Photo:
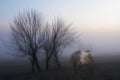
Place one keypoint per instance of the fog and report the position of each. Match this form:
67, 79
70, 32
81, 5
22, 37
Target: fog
96, 21
104, 42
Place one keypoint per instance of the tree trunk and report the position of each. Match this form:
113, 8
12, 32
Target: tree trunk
48, 57
32, 64
57, 61
33, 70
47, 64
37, 64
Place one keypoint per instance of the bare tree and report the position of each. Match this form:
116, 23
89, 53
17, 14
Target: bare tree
27, 35
63, 36
57, 36
47, 45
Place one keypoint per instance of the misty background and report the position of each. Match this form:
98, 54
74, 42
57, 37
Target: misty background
98, 23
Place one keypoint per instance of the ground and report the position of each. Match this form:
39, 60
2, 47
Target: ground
103, 71
106, 72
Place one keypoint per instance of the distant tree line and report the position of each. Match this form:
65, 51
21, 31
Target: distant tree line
32, 35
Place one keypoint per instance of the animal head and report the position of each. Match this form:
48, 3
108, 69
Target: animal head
87, 51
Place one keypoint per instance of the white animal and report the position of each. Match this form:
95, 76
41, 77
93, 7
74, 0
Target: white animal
80, 59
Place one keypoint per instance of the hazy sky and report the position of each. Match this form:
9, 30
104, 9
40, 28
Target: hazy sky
98, 21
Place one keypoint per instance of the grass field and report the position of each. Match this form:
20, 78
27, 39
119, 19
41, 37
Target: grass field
104, 70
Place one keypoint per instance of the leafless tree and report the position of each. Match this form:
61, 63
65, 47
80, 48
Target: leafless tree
47, 45
58, 36
27, 35
63, 36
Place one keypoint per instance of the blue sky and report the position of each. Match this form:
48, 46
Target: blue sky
97, 20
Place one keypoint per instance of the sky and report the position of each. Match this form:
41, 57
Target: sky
98, 21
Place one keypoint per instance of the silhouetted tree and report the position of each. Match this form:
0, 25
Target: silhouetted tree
27, 36
47, 45
62, 36
57, 37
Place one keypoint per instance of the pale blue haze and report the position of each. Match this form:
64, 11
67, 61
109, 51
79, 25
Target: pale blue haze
98, 21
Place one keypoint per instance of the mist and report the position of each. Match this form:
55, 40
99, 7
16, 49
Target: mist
101, 43
96, 23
